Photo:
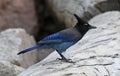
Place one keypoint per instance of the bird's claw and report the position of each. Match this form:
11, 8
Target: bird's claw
65, 60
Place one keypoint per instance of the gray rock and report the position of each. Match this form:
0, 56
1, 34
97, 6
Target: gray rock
64, 9
14, 40
8, 69
18, 14
97, 54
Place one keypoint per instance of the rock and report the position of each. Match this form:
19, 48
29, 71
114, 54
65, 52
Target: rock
96, 54
64, 9
43, 53
8, 69
14, 40
18, 13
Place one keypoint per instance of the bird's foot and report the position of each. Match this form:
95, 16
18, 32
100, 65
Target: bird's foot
66, 60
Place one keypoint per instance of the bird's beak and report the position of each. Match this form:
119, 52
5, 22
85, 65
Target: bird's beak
92, 27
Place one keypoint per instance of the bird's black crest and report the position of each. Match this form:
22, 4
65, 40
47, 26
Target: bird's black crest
79, 19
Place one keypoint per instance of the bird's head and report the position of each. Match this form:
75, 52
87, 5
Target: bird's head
83, 25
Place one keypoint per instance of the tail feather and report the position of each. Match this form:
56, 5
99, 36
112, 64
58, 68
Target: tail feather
29, 49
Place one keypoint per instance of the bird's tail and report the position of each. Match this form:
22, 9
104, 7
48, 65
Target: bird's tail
29, 49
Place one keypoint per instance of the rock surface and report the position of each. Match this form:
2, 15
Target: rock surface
64, 9
8, 69
14, 40
18, 13
97, 54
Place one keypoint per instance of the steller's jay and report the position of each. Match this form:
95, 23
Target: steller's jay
62, 40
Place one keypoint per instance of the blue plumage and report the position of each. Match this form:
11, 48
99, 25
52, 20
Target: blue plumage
26, 50
64, 39
60, 37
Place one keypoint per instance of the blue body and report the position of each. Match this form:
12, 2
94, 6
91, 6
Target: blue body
58, 41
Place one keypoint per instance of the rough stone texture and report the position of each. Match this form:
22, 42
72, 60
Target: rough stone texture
18, 13
43, 53
97, 54
64, 9
14, 40
8, 69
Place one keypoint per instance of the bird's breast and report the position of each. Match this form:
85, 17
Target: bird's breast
63, 46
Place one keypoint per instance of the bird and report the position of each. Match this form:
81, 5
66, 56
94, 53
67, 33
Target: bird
63, 39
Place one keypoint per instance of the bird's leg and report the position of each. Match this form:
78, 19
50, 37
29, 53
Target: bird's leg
64, 59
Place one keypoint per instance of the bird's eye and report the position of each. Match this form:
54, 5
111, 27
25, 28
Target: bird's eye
86, 24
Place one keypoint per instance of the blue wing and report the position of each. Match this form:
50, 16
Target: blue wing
58, 38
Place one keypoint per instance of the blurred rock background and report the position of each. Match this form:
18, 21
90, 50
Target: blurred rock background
24, 22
